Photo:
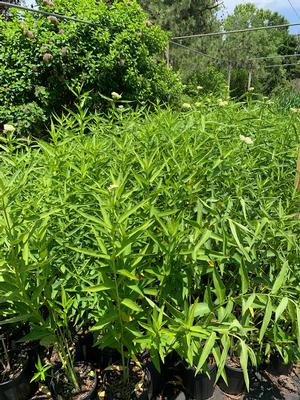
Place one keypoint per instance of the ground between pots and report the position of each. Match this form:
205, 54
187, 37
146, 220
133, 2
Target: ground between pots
264, 386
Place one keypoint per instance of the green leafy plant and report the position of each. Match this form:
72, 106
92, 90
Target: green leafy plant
42, 371
168, 231
43, 59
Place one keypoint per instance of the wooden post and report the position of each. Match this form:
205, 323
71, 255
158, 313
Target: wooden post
229, 78
297, 179
249, 79
168, 54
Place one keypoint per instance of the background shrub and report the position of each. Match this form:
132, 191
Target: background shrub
42, 58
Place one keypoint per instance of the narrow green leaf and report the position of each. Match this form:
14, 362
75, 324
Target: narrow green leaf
237, 240
280, 278
151, 292
98, 288
89, 252
219, 286
37, 334
136, 289
266, 320
132, 211
12, 320
206, 235
244, 276
244, 362
105, 320
132, 305
127, 274
91, 218
248, 303
209, 344
201, 309
225, 340
199, 329
281, 307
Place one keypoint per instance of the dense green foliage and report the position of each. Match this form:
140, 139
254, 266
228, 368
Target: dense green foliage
42, 59
182, 17
173, 230
242, 53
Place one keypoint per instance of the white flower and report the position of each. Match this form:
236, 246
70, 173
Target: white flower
186, 106
199, 87
9, 128
116, 96
112, 187
222, 103
246, 139
251, 88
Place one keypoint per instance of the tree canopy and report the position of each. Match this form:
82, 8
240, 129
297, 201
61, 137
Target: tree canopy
184, 16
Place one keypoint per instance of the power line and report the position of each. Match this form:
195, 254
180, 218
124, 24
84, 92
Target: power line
294, 9
3, 3
275, 56
280, 65
259, 28
195, 51
230, 61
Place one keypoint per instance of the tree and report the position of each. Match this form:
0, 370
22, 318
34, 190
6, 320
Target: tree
44, 60
246, 52
182, 17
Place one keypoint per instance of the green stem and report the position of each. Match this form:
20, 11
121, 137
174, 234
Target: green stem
66, 357
114, 269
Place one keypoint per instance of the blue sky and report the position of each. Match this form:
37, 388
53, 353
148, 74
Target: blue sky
281, 6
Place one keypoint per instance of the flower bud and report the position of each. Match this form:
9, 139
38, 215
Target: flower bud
30, 34
64, 51
48, 3
53, 20
47, 57
116, 96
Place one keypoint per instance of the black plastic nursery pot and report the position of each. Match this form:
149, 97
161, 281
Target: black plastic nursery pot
200, 386
155, 378
278, 367
119, 391
19, 388
235, 378
55, 388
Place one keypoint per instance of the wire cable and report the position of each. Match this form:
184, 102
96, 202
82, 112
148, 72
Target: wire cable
294, 9
10, 5
259, 28
279, 65
196, 51
275, 56
230, 61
